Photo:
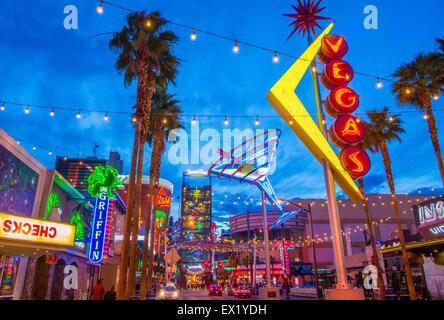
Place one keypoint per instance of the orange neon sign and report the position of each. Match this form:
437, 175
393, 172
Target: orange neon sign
356, 161
342, 100
337, 73
333, 47
346, 131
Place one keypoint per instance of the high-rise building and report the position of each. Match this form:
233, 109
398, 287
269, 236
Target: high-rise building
77, 170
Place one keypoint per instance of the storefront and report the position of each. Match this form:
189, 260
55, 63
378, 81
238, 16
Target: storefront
425, 250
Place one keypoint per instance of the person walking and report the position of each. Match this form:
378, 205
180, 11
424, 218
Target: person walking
98, 291
110, 294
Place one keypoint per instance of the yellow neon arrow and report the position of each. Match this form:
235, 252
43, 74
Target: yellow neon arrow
283, 98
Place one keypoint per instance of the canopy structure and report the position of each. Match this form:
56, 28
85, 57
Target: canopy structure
252, 162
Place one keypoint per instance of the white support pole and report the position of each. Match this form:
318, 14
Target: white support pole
266, 240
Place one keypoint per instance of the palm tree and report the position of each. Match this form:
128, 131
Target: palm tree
165, 113
145, 53
418, 83
381, 130
372, 241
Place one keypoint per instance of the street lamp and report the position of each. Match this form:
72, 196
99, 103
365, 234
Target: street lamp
308, 211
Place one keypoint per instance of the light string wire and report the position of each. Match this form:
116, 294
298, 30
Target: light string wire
220, 36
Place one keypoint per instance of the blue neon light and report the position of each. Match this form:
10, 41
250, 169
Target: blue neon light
97, 241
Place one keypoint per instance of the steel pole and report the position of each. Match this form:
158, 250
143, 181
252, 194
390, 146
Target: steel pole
314, 251
267, 243
333, 211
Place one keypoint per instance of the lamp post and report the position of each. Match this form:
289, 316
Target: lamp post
308, 211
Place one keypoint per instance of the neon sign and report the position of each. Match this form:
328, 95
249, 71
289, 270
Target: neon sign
429, 217
341, 100
101, 183
337, 73
355, 161
53, 201
332, 47
345, 131
160, 219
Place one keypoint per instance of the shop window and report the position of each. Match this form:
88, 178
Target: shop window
8, 273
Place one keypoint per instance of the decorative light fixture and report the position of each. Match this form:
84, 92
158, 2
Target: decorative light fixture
236, 47
390, 118
34, 147
106, 117
27, 109
78, 115
193, 35
100, 8
164, 120
435, 97
50, 153
52, 113
3, 107
425, 116
257, 120
226, 120
378, 83
275, 58
134, 119
194, 120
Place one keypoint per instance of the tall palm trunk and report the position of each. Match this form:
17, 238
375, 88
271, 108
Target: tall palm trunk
373, 242
123, 268
388, 171
146, 93
435, 141
148, 226
154, 231
131, 287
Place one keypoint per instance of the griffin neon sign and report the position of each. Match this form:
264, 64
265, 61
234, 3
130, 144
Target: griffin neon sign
101, 183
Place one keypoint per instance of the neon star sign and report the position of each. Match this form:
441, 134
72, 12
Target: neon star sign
283, 98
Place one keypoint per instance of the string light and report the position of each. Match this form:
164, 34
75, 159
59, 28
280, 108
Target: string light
425, 116
106, 117
390, 118
407, 91
193, 35
313, 69
50, 152
34, 147
3, 107
236, 47
52, 113
194, 120
164, 120
134, 119
78, 115
27, 109
257, 120
378, 83
100, 8
435, 97
275, 58
226, 120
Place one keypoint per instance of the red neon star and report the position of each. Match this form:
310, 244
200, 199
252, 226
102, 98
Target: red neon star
305, 17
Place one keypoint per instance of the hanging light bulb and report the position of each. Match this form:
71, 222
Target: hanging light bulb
275, 58
100, 8
226, 120
435, 97
106, 117
50, 153
193, 35
194, 120
78, 115
34, 147
52, 113
407, 91
425, 116
236, 47
390, 118
27, 109
134, 119
164, 120
257, 120
378, 83
3, 107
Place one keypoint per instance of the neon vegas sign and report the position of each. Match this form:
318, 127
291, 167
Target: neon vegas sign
429, 218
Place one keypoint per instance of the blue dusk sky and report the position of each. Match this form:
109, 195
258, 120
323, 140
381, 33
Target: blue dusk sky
42, 63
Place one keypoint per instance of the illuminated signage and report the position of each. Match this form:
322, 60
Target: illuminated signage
97, 242
160, 219
429, 217
337, 73
355, 161
332, 47
346, 131
27, 229
341, 100
162, 199
101, 183
283, 98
